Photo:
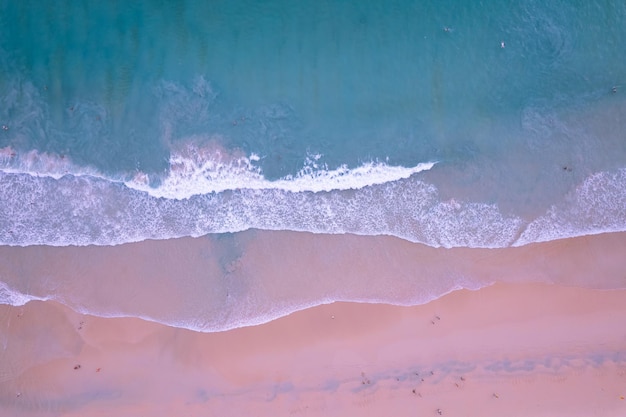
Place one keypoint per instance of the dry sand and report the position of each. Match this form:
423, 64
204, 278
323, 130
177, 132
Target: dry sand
512, 349
505, 350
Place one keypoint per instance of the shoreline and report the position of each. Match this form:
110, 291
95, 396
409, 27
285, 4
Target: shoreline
221, 282
483, 350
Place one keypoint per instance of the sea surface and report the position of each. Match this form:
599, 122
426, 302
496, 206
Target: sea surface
448, 123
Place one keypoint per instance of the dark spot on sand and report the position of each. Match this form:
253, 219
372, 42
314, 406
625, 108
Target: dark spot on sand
365, 380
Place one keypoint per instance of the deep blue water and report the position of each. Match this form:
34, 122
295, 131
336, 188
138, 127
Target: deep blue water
124, 121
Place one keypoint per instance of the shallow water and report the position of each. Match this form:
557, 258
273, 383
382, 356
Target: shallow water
219, 282
446, 124
153, 120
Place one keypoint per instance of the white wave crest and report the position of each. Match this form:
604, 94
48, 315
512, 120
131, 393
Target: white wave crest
15, 298
197, 171
213, 169
85, 210
597, 205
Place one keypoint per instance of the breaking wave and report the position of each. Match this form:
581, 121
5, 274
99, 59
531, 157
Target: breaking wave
48, 200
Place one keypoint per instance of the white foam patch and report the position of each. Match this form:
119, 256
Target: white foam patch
204, 170
596, 206
15, 298
42, 164
211, 190
212, 169
453, 224
85, 211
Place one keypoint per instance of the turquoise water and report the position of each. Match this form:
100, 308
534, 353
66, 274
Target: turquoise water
447, 123
153, 119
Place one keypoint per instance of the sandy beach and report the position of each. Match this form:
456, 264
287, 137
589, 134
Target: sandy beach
547, 339
312, 208
508, 349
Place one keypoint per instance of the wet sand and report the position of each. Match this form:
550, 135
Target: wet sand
508, 349
219, 282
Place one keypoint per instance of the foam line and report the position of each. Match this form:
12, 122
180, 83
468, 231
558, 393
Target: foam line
43, 208
191, 176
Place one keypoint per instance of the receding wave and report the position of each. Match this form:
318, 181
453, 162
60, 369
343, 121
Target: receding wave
598, 205
49, 201
14, 297
220, 282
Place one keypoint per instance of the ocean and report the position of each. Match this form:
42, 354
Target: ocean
448, 124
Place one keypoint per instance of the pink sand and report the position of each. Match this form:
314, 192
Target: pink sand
514, 350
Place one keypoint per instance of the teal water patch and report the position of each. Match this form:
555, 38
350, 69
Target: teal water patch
404, 80
519, 103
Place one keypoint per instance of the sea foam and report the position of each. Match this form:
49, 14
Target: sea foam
54, 202
598, 205
204, 170
10, 296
